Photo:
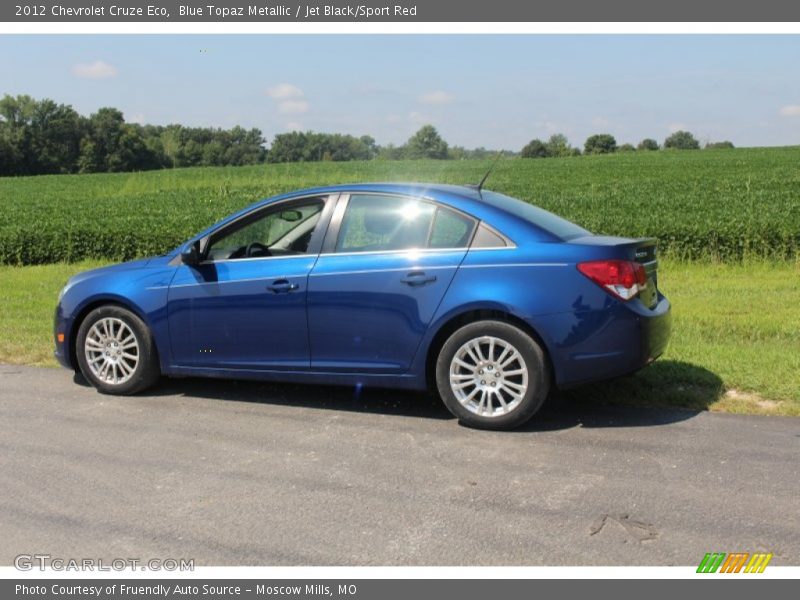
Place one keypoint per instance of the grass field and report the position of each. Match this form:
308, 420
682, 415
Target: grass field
735, 345
718, 204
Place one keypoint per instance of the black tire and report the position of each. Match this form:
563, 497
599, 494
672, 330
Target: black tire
514, 406
146, 371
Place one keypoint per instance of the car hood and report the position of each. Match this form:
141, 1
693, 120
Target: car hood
131, 265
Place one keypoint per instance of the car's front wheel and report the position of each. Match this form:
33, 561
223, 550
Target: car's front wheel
115, 351
492, 375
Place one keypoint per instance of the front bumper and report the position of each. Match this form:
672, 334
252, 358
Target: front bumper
62, 352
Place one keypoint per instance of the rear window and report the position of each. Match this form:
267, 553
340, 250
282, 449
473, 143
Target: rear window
561, 228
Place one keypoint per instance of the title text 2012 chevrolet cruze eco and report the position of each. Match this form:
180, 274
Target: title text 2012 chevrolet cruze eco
487, 299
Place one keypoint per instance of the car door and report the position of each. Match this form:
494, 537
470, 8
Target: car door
385, 266
244, 305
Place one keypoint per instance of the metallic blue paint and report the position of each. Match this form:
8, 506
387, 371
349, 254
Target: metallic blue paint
219, 312
352, 319
363, 316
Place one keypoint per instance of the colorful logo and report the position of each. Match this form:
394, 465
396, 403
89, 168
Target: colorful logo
734, 562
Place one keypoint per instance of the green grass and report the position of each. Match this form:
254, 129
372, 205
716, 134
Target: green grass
734, 347
28, 296
711, 204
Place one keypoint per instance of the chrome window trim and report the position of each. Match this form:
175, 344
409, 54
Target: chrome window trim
403, 251
251, 258
490, 248
340, 203
417, 251
493, 265
365, 253
382, 270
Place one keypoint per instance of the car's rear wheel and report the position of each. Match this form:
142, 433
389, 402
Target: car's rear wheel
115, 351
492, 375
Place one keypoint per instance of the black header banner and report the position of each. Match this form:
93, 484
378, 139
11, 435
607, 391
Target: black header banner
409, 11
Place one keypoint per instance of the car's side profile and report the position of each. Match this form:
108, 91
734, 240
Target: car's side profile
485, 298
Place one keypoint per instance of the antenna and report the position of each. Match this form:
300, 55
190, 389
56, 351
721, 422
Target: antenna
479, 187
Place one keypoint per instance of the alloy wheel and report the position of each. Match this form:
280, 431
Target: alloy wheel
112, 351
488, 376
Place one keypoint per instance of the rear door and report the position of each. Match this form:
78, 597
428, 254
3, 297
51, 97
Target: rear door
386, 263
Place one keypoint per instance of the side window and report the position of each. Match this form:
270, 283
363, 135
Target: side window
450, 229
486, 238
376, 223
284, 230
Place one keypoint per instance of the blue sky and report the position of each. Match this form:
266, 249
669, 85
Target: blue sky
497, 91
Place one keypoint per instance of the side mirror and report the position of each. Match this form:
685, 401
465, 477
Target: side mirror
191, 255
291, 215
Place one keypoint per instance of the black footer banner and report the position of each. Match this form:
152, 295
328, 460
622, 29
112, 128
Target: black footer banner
390, 589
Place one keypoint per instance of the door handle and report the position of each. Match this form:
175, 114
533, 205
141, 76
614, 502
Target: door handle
415, 278
282, 286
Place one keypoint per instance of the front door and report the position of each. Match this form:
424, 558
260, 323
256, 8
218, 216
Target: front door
244, 306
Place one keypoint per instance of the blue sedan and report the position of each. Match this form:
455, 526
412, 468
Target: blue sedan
487, 299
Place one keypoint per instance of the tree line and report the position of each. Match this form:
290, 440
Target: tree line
605, 143
43, 137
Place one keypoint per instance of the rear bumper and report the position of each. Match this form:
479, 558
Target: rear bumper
604, 344
655, 331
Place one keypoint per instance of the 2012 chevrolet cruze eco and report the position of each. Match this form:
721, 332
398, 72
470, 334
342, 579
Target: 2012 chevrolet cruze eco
488, 299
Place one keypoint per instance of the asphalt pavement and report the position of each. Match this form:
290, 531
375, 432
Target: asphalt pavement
233, 473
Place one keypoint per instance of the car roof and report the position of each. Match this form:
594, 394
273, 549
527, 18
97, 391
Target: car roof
433, 190
461, 197
468, 199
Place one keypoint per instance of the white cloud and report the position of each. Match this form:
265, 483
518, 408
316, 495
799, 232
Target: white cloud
289, 98
437, 98
136, 118
95, 70
293, 107
673, 127
600, 122
284, 91
790, 110
294, 126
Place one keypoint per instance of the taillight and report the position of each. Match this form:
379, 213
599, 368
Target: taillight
623, 278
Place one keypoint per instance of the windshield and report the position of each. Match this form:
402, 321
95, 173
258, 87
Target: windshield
560, 228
